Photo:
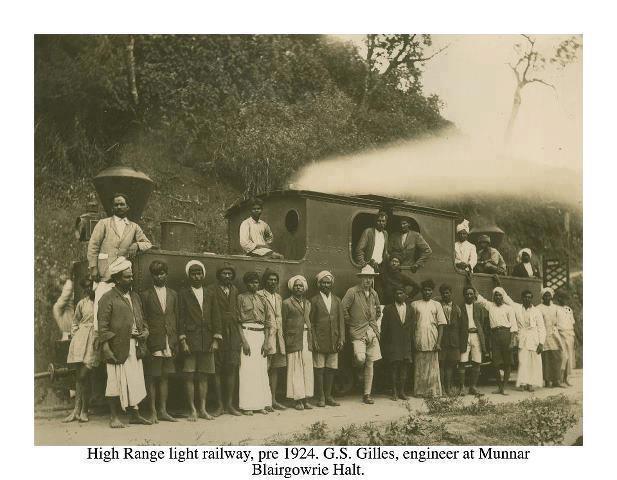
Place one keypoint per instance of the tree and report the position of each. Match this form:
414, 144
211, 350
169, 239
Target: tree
531, 64
396, 58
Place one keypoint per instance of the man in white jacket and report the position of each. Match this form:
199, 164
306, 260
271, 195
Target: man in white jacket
531, 337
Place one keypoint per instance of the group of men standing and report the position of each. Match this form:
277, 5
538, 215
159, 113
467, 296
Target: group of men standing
241, 343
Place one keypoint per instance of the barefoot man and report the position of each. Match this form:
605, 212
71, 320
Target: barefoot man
199, 332
122, 333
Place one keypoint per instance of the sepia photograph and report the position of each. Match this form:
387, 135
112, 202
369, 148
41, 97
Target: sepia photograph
308, 239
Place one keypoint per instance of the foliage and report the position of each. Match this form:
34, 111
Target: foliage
348, 435
316, 431
443, 405
481, 406
546, 421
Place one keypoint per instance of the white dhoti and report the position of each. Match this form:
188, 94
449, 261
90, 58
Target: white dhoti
529, 368
127, 380
568, 357
100, 289
254, 390
300, 381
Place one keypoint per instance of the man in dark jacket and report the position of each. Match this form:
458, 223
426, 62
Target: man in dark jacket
199, 332
476, 318
160, 304
454, 340
122, 335
328, 323
372, 248
409, 246
223, 300
397, 329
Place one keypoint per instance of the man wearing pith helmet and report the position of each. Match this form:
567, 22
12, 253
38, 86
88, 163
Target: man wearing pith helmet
361, 309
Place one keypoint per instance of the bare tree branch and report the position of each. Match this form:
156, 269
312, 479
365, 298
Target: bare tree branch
539, 80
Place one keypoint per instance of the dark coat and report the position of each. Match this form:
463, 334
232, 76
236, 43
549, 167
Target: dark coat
480, 319
396, 338
364, 248
456, 332
115, 318
520, 271
224, 309
198, 326
160, 324
328, 328
415, 251
391, 279
294, 320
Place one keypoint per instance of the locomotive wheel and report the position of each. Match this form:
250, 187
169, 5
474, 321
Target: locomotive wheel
344, 381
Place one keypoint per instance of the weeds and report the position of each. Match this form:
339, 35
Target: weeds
439, 406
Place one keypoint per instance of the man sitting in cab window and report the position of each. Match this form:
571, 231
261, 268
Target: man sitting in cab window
409, 246
489, 259
465, 255
372, 248
256, 235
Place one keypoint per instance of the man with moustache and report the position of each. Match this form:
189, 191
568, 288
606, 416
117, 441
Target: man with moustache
475, 315
465, 254
409, 246
122, 333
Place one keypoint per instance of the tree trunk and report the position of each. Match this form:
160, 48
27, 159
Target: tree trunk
516, 104
130, 66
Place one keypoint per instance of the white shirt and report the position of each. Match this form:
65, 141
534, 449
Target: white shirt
120, 223
161, 292
503, 315
469, 308
199, 294
528, 268
253, 233
402, 310
327, 300
127, 295
380, 242
465, 252
403, 238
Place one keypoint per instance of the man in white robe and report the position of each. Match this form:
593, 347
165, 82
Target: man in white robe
465, 255
531, 337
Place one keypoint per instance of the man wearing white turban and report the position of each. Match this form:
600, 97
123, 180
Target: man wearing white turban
504, 327
553, 347
328, 323
524, 268
122, 334
465, 255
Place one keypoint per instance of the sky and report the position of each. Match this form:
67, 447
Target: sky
473, 79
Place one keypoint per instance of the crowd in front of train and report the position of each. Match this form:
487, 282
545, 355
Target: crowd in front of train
242, 344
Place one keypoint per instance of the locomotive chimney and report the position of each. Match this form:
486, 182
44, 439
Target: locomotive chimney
120, 179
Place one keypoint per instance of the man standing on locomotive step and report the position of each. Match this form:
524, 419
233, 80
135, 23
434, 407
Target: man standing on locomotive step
256, 235
113, 237
409, 246
372, 248
361, 309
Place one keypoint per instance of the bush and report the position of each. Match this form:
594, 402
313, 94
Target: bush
443, 405
349, 435
545, 422
482, 406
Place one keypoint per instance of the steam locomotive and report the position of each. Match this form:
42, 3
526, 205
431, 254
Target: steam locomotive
314, 231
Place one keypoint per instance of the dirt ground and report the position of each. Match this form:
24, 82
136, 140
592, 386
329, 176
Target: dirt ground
260, 429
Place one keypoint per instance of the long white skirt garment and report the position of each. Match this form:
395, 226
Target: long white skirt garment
529, 368
254, 386
127, 380
568, 357
300, 381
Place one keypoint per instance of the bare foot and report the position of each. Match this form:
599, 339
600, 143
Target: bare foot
192, 416
137, 419
83, 416
269, 409
263, 411
205, 415
115, 422
217, 412
232, 411
154, 418
166, 417
71, 418
247, 412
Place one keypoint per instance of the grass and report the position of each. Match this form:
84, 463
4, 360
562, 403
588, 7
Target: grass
450, 422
